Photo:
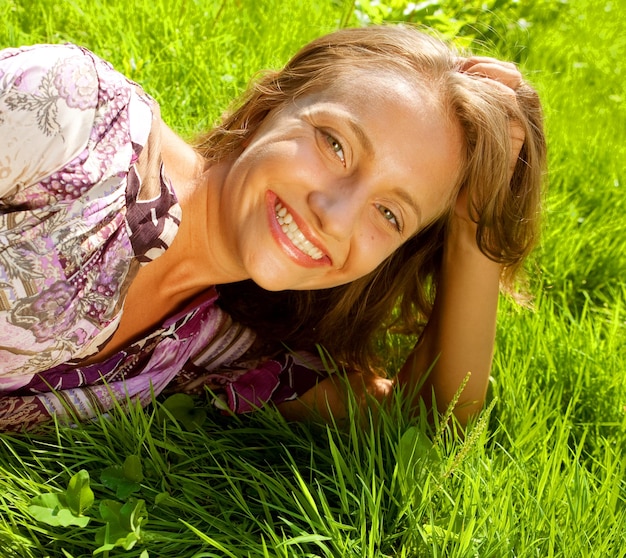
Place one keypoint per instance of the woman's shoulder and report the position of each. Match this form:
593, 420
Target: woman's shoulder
56, 101
38, 72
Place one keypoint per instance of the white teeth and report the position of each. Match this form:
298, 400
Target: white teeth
289, 227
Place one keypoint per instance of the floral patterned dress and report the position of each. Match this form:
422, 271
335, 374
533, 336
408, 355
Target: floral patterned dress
85, 202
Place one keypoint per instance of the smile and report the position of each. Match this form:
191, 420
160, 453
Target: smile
294, 234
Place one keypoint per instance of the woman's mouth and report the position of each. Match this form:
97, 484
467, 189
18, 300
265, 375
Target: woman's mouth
294, 234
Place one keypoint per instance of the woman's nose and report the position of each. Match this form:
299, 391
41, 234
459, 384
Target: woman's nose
338, 209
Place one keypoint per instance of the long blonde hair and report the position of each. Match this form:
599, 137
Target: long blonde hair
345, 319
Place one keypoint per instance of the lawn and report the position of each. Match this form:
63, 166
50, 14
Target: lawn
541, 474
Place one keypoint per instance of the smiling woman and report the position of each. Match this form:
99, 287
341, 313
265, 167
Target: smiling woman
353, 192
376, 170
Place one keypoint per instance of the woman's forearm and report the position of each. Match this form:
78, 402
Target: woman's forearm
459, 336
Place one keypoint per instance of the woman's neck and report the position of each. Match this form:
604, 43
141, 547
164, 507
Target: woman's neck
198, 257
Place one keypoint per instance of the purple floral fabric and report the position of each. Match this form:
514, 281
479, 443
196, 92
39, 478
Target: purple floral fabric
65, 243
84, 202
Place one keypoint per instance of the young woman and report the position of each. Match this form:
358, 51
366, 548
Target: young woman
376, 171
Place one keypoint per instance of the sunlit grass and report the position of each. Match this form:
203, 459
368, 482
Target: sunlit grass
543, 476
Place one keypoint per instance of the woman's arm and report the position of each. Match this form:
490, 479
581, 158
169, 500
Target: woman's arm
460, 333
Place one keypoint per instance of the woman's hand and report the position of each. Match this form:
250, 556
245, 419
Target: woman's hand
506, 77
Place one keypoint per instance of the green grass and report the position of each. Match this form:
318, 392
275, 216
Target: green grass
541, 475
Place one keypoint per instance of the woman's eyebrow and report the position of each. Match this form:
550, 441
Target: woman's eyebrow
410, 201
360, 134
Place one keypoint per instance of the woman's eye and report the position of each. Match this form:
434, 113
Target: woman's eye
388, 214
336, 148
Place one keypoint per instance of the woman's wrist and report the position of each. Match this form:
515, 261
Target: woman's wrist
461, 248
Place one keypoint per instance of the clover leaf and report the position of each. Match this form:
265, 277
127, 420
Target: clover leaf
65, 508
122, 524
124, 479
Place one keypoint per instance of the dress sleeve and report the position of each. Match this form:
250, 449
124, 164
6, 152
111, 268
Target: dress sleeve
50, 96
276, 380
244, 385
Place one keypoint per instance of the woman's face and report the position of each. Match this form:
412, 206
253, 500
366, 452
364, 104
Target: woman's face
331, 184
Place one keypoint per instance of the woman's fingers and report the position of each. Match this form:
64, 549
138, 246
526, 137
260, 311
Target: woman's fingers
492, 68
471, 60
